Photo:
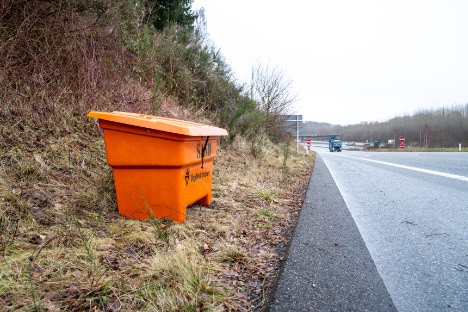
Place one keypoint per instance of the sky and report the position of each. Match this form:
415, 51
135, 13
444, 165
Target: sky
350, 61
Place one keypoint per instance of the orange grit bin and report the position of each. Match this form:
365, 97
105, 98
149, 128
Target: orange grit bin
160, 165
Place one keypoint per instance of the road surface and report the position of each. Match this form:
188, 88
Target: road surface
412, 212
328, 267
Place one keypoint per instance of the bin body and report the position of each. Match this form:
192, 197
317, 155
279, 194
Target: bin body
156, 172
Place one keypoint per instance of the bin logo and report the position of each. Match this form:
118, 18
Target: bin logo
200, 150
200, 175
187, 176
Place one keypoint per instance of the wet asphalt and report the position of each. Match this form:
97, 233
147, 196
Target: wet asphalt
328, 266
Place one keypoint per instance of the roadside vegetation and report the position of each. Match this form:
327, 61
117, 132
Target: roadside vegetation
62, 242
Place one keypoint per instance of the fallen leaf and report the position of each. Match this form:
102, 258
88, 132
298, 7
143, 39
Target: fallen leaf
61, 256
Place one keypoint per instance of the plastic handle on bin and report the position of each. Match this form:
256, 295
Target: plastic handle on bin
203, 151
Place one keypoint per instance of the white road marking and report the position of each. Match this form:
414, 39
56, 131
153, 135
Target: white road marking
437, 173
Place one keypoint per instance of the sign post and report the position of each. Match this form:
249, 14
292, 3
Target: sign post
308, 141
298, 120
402, 142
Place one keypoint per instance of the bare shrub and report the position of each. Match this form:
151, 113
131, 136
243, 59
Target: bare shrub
272, 90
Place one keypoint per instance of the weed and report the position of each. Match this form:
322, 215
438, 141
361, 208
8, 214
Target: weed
266, 195
9, 222
113, 229
266, 213
257, 147
161, 226
232, 254
179, 282
28, 170
162, 229
263, 226
95, 193
286, 152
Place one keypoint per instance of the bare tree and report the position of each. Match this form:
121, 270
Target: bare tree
271, 90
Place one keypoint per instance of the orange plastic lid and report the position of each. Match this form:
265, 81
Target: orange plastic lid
160, 123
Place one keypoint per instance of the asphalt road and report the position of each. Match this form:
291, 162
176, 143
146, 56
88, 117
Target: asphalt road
328, 267
412, 212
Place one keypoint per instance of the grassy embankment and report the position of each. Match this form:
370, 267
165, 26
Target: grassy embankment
62, 242
64, 246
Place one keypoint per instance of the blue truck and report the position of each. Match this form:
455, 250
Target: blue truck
334, 144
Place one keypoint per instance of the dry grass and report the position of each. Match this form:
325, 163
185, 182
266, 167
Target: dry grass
62, 242
64, 246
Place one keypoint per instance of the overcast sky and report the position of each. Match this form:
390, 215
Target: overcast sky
350, 61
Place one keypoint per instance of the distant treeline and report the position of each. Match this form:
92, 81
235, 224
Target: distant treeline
441, 127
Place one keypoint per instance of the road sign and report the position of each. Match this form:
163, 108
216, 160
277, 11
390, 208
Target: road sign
295, 119
402, 145
402, 139
308, 141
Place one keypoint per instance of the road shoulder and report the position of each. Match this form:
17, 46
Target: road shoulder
328, 266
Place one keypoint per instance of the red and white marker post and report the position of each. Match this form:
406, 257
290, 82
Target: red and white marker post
308, 141
402, 142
